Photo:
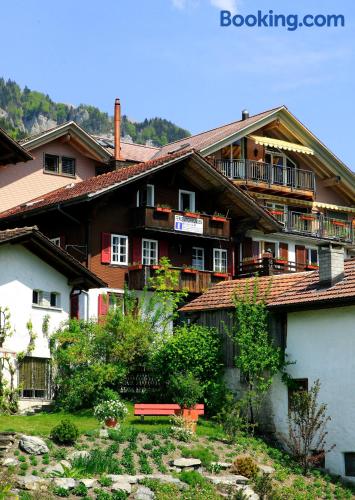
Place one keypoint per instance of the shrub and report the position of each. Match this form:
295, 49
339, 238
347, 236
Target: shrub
66, 432
193, 478
80, 490
200, 452
263, 486
232, 418
245, 466
185, 390
105, 481
60, 491
98, 462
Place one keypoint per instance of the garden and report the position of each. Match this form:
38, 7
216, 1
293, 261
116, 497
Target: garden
90, 444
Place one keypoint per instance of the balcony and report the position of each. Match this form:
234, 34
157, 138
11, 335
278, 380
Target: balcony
268, 266
319, 226
264, 176
184, 223
191, 280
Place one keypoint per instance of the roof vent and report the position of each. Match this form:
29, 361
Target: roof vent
245, 114
69, 186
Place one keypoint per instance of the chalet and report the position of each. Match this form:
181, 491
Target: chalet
312, 319
38, 281
120, 224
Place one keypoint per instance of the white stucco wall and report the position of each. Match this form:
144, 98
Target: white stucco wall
20, 273
322, 344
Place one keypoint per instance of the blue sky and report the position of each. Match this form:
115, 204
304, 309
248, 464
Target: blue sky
170, 58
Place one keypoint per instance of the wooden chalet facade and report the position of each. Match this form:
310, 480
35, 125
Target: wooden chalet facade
121, 223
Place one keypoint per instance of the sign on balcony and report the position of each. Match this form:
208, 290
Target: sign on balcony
188, 224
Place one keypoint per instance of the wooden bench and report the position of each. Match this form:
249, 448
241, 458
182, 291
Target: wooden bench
160, 410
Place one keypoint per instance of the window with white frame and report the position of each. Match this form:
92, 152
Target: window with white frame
46, 299
186, 201
219, 260
56, 241
149, 252
312, 256
119, 249
198, 258
146, 196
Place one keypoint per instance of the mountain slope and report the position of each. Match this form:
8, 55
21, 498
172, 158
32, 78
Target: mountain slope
26, 112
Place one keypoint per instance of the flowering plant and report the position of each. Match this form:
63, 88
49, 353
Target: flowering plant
114, 409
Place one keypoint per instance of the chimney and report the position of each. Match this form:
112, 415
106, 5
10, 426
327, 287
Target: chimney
331, 264
245, 114
117, 129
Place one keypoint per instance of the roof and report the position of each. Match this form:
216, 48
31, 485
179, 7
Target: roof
44, 248
101, 184
11, 151
288, 291
205, 139
220, 296
130, 151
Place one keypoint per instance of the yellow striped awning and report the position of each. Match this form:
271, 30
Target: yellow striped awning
277, 143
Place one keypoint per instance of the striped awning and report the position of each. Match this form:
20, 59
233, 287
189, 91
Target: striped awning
277, 143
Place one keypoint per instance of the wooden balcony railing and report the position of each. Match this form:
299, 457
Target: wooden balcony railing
320, 226
265, 173
268, 266
182, 222
192, 280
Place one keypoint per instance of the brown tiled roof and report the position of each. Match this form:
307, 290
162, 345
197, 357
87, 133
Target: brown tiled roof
309, 291
220, 296
210, 137
91, 185
130, 151
9, 234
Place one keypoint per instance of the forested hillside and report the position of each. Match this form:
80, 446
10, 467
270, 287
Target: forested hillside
26, 112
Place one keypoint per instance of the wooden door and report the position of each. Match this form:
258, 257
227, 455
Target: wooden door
301, 257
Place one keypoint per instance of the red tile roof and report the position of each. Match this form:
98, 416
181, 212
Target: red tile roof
294, 290
210, 137
130, 151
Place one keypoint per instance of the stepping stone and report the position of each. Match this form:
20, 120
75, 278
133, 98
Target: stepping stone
144, 493
187, 462
227, 480
65, 482
122, 486
266, 469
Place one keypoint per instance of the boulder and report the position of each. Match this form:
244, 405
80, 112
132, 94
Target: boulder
33, 445
248, 492
32, 483
10, 462
116, 478
186, 462
67, 483
266, 469
144, 493
54, 470
78, 454
122, 486
89, 483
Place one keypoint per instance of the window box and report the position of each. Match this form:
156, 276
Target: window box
307, 217
277, 212
218, 218
135, 267
156, 266
189, 270
338, 223
280, 261
193, 215
164, 210
220, 275
311, 267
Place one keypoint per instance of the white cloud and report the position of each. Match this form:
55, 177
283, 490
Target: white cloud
179, 4
225, 4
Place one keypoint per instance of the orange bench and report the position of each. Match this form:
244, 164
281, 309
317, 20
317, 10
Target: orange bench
160, 410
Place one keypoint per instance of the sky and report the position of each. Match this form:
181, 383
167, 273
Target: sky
171, 58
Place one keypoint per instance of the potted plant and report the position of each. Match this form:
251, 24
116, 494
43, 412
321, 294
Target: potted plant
186, 392
189, 270
280, 260
166, 209
312, 266
135, 266
217, 217
110, 412
190, 213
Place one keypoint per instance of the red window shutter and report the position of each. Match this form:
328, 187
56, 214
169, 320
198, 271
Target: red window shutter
74, 306
163, 249
105, 248
136, 250
103, 304
283, 251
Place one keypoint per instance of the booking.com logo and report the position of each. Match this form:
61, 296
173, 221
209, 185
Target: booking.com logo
291, 21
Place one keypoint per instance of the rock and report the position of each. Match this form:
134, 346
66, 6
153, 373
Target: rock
33, 445
65, 463
32, 483
89, 483
167, 479
232, 479
10, 462
54, 470
65, 482
103, 433
222, 465
187, 462
122, 486
144, 493
78, 454
116, 478
266, 469
248, 492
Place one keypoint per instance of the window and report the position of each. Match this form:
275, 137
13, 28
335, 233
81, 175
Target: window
46, 299
61, 165
119, 249
312, 256
349, 459
149, 252
35, 378
145, 196
219, 260
198, 258
186, 201
56, 241
298, 385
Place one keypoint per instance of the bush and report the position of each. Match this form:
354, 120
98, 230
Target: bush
66, 432
185, 390
80, 491
61, 492
262, 485
200, 452
182, 429
245, 466
193, 478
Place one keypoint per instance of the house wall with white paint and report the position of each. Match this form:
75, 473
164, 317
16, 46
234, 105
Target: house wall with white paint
322, 345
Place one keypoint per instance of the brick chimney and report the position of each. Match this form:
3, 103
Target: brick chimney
117, 129
331, 264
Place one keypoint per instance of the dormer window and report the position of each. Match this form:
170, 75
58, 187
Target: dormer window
60, 165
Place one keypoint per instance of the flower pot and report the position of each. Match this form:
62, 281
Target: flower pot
220, 275
216, 218
164, 210
311, 267
189, 271
280, 261
156, 266
338, 223
111, 422
277, 212
192, 215
135, 267
307, 217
